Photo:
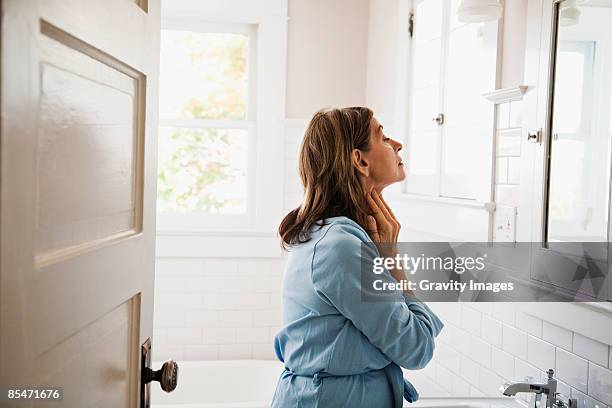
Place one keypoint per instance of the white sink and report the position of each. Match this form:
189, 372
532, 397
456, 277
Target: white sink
468, 402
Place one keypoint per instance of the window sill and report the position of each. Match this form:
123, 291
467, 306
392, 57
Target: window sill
447, 201
217, 244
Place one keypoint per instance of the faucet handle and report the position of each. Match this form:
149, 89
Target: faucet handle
561, 401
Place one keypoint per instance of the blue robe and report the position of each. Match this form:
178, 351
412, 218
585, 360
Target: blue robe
340, 350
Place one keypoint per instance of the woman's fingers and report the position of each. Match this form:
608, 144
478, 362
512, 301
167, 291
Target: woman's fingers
388, 215
397, 223
381, 205
381, 221
372, 229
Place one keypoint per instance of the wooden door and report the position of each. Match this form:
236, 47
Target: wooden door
78, 180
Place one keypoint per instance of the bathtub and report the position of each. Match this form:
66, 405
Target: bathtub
220, 384
251, 384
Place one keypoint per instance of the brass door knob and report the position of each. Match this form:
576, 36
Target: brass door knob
167, 375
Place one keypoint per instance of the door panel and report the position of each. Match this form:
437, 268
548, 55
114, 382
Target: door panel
78, 179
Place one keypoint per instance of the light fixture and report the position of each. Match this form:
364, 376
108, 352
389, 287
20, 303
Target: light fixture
569, 14
477, 11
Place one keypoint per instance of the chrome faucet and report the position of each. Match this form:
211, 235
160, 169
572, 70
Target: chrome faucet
547, 389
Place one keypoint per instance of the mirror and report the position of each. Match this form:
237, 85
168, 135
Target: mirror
580, 123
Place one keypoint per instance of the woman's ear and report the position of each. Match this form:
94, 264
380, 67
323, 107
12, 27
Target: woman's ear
360, 162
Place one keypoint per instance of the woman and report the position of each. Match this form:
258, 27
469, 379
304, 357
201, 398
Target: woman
340, 350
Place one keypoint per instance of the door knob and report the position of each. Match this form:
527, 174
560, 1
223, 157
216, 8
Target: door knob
439, 119
167, 375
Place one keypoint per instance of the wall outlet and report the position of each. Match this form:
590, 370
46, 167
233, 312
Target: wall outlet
504, 226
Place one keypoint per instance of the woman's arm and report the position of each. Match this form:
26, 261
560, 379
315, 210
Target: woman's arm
404, 330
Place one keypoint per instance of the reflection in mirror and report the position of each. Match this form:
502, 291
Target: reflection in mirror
581, 128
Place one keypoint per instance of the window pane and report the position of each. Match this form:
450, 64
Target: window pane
203, 75
202, 170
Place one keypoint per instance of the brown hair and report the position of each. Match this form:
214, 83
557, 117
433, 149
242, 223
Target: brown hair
330, 181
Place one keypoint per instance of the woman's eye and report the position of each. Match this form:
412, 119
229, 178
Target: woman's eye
386, 139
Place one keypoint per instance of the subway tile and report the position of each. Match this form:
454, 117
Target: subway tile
501, 170
177, 301
572, 369
201, 318
492, 331
514, 341
260, 267
168, 352
486, 308
502, 363
489, 382
235, 351
504, 312
160, 336
219, 335
460, 387
220, 267
444, 378
253, 335
540, 353
481, 352
524, 370
528, 323
562, 387
271, 317
233, 318
584, 401
184, 335
178, 267
556, 335
475, 392
590, 349
449, 357
471, 320
449, 312
470, 371
167, 318
514, 170
264, 351
600, 383
242, 301
200, 352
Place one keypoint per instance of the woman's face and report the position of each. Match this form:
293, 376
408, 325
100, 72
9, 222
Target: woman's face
382, 164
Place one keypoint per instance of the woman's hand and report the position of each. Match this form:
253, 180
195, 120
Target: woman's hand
382, 226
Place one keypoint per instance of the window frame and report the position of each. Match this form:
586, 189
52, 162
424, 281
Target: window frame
433, 187
190, 221
265, 122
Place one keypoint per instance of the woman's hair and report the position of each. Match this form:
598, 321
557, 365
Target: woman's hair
329, 178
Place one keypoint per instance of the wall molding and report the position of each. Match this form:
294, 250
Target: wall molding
505, 95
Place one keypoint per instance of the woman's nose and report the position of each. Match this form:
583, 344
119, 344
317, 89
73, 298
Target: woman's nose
398, 145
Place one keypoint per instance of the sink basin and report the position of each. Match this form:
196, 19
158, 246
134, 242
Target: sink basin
468, 402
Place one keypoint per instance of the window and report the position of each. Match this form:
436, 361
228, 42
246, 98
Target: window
450, 122
207, 124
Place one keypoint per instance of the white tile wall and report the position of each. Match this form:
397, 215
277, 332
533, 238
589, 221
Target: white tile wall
557, 335
520, 345
590, 349
199, 316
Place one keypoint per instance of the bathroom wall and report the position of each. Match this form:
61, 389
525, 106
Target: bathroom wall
229, 308
484, 345
213, 308
327, 46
